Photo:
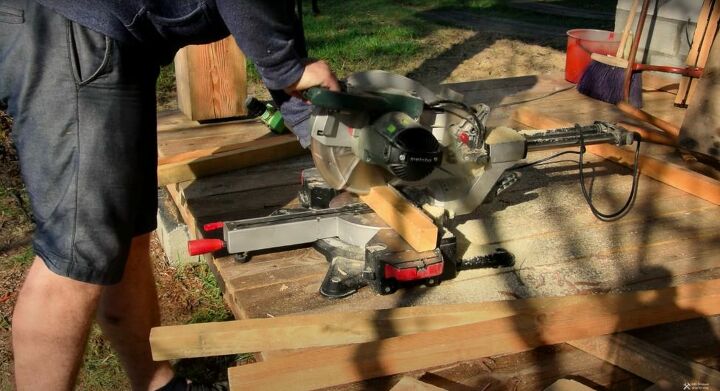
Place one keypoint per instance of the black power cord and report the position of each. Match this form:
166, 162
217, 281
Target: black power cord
600, 215
633, 191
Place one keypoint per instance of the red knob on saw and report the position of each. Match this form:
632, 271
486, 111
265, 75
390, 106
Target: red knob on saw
213, 226
204, 246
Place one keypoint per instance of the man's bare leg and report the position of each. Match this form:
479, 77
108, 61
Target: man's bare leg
50, 326
126, 313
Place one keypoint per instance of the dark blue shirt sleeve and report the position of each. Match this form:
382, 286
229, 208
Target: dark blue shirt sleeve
265, 30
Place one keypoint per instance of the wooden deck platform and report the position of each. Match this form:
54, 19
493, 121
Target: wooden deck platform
669, 237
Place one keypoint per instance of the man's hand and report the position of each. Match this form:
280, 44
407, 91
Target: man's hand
316, 74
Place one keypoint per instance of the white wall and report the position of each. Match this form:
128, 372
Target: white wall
667, 34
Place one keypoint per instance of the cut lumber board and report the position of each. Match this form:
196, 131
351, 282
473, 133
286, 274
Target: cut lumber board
647, 360
211, 80
408, 383
405, 218
671, 174
243, 155
328, 367
338, 328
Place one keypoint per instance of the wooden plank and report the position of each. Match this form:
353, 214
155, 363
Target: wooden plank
211, 80
327, 367
671, 174
651, 135
647, 360
339, 328
408, 383
208, 136
405, 218
186, 157
531, 371
253, 153
642, 115
704, 57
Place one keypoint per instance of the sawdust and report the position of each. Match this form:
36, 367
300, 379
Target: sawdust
463, 55
435, 212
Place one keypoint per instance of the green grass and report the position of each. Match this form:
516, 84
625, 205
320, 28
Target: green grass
381, 34
24, 257
166, 85
101, 367
213, 308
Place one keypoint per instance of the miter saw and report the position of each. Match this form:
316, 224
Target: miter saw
386, 129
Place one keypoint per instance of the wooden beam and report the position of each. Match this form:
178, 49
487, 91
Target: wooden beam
316, 330
326, 367
642, 115
186, 157
211, 80
243, 155
648, 361
651, 135
303, 331
677, 176
405, 218
671, 174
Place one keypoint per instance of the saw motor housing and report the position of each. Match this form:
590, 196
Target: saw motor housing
388, 129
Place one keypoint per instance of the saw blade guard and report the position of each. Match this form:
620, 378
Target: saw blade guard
342, 133
342, 169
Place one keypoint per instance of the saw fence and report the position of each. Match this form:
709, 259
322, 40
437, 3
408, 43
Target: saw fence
575, 282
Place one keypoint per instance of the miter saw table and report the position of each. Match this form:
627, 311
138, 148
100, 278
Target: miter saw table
385, 129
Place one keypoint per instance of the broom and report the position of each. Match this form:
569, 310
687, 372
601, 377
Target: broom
604, 77
616, 80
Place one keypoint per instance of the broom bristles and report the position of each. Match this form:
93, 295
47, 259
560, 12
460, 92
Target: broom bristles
605, 82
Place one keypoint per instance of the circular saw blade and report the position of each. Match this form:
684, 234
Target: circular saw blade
343, 170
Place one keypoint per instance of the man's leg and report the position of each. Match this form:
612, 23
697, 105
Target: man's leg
50, 325
126, 313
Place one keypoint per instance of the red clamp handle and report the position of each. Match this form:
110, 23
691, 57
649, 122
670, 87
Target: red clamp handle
213, 226
204, 246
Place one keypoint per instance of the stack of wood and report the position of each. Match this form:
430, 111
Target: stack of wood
212, 88
342, 348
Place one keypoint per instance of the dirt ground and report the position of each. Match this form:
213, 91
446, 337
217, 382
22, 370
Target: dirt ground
460, 55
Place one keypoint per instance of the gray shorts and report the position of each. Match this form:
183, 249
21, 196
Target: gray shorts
85, 129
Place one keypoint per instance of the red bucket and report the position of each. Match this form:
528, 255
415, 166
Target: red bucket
583, 42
